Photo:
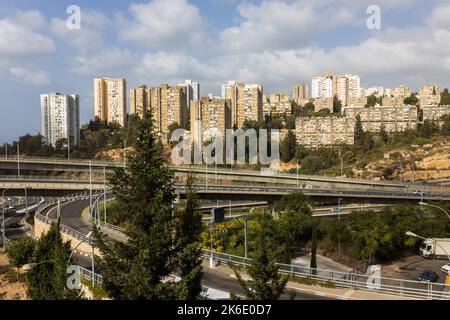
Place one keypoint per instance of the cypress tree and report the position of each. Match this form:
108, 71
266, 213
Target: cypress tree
135, 269
188, 229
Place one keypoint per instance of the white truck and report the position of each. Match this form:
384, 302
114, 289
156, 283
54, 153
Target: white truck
435, 248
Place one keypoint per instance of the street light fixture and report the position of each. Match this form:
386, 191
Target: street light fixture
434, 206
412, 234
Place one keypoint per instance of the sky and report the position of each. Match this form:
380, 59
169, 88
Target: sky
276, 43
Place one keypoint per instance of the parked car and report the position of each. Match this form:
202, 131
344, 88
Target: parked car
446, 268
335, 210
428, 276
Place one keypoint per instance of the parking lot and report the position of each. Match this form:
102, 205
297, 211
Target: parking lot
410, 267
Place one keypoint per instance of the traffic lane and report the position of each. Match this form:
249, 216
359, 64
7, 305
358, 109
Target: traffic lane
71, 215
224, 282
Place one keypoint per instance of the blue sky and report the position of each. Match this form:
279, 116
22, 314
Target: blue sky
273, 42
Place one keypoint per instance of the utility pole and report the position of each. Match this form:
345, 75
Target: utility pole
68, 147
297, 173
6, 150
245, 237
206, 172
18, 161
104, 190
90, 189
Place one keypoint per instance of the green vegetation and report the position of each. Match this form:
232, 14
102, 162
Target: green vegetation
95, 137
47, 280
364, 235
266, 283
20, 252
412, 100
135, 270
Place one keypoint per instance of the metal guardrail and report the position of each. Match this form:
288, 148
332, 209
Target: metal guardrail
407, 288
87, 275
38, 215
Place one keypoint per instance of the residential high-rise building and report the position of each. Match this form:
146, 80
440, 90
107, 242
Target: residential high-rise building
342, 89
354, 86
168, 105
246, 101
60, 118
110, 100
300, 92
214, 116
401, 91
140, 100
192, 91
278, 104
430, 95
321, 87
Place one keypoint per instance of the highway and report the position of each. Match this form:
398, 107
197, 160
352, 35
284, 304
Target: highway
71, 217
14, 229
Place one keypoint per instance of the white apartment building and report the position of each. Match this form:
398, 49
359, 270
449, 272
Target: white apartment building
321, 87
192, 91
60, 118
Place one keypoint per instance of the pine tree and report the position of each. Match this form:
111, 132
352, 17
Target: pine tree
135, 269
287, 147
266, 283
188, 229
359, 132
47, 280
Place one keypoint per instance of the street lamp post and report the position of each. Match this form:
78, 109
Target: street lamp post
245, 236
434, 206
87, 238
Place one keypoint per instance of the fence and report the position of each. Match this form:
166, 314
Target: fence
407, 288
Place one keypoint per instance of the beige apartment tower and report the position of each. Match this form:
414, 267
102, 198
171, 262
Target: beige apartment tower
140, 100
110, 103
300, 92
214, 116
246, 102
168, 105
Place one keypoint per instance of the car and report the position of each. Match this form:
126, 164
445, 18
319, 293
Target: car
15, 225
335, 210
446, 268
428, 276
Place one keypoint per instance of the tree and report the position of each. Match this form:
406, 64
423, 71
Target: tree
134, 270
383, 134
372, 100
188, 230
411, 100
287, 147
359, 132
313, 263
337, 105
266, 283
21, 252
294, 223
47, 280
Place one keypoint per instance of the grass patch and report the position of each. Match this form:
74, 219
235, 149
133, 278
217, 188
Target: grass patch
97, 291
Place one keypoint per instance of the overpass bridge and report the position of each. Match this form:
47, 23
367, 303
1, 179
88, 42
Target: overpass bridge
55, 186
74, 169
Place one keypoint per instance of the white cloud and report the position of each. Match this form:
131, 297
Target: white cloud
89, 37
440, 16
281, 25
17, 37
26, 76
109, 59
164, 23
